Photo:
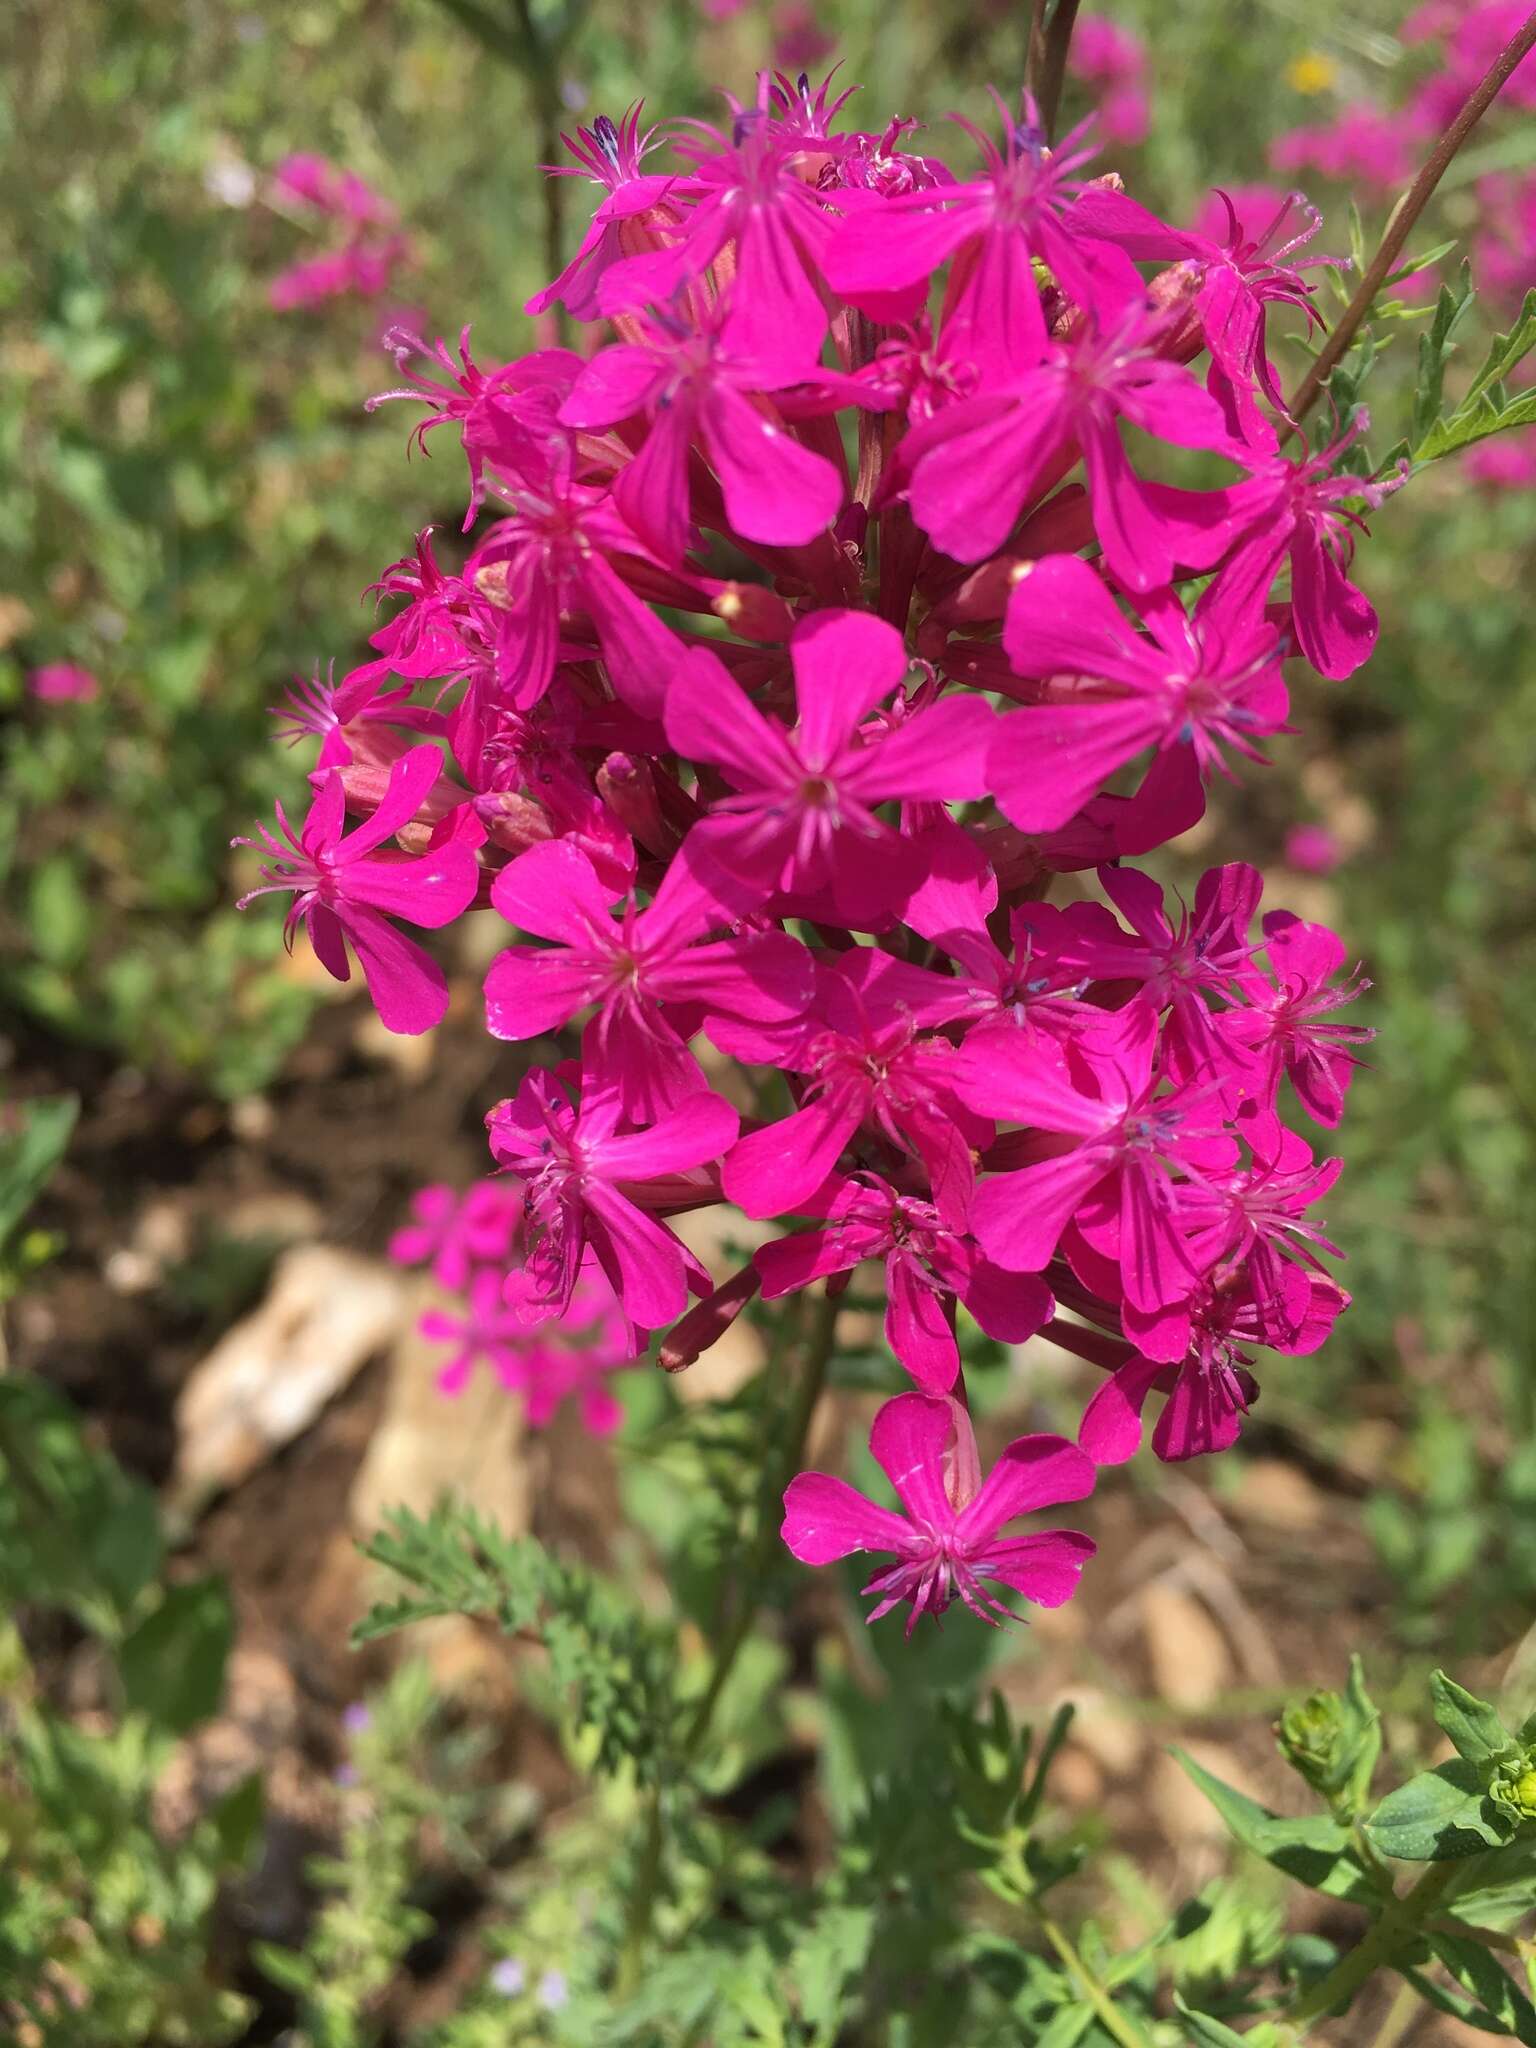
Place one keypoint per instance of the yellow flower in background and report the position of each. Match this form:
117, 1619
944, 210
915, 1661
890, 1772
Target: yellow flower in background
1311, 72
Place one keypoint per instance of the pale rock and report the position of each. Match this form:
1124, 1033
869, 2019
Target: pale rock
326, 1314
1188, 1652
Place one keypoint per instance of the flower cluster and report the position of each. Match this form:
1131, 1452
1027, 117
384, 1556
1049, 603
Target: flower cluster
370, 251
469, 1241
816, 622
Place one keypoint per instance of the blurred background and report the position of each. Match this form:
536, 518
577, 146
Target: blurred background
192, 501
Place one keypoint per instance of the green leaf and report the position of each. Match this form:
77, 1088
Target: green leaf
287, 1968
1437, 1815
1067, 2028
33, 1138
1314, 1849
1443, 1999
76, 1531
1481, 1974
1507, 351
1472, 1724
1200, 2029
172, 1665
237, 1820
1435, 350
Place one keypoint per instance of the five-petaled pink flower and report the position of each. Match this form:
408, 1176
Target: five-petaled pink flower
947, 1541
343, 886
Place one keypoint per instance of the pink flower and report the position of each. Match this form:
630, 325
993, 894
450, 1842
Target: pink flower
948, 1541
927, 1268
643, 969
552, 555
745, 190
363, 269
1114, 59
1363, 146
342, 887
1204, 682
485, 1331
978, 463
1242, 271
1208, 1379
455, 1233
1027, 204
308, 180
802, 817
576, 1164
61, 682
639, 212
1301, 510
1288, 1019
869, 1061
695, 389
501, 413
1312, 849
1132, 1169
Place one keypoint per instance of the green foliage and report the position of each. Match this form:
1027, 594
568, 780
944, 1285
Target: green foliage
612, 1665
104, 1921
368, 1919
33, 1137
1486, 407
1334, 1741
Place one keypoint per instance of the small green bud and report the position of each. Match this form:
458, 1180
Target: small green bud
1514, 1787
1309, 1733
1332, 1740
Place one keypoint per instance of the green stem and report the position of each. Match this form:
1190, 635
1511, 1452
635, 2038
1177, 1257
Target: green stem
813, 1374
542, 69
1404, 216
1397, 1929
817, 1357
1053, 66
1110, 2018
1400, 2016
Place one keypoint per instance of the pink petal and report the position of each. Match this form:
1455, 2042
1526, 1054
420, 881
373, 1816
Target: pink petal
411, 781
1110, 1431
431, 891
652, 491
776, 490
1335, 623
972, 480
845, 662
530, 990
1032, 1472
825, 1519
553, 891
774, 1171
1044, 1568
917, 1329
775, 307
693, 1134
641, 653
409, 989
1018, 1217
1061, 620
709, 717
641, 1258
617, 383
1049, 760
908, 1442
762, 978
938, 753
